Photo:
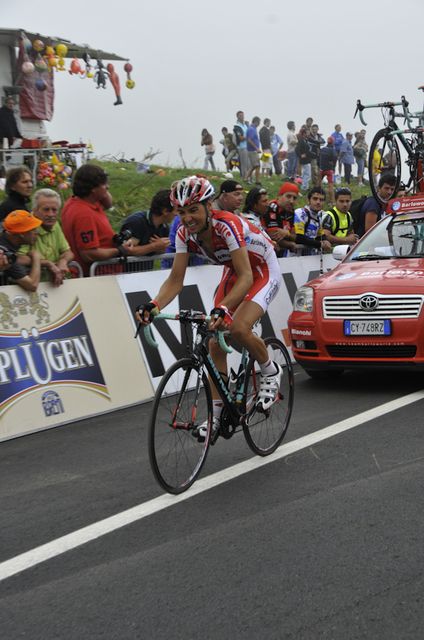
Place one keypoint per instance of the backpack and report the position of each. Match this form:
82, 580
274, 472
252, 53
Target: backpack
238, 134
337, 219
355, 211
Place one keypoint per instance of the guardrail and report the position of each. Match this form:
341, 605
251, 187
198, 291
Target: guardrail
131, 264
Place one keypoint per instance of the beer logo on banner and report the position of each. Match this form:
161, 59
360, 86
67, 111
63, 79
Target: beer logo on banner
57, 354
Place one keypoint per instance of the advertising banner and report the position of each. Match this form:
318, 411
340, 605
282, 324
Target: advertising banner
199, 288
66, 353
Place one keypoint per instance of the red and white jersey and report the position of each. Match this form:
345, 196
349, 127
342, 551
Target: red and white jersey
229, 232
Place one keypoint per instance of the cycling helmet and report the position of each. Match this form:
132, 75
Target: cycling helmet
190, 190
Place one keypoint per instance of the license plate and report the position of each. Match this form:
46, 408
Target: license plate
367, 327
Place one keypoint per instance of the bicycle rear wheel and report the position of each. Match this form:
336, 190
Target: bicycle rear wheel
264, 432
182, 402
384, 157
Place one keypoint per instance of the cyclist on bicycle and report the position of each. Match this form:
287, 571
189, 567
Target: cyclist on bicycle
250, 280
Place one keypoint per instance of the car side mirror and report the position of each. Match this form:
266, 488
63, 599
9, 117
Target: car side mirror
340, 251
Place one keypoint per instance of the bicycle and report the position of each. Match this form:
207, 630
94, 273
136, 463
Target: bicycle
384, 153
183, 401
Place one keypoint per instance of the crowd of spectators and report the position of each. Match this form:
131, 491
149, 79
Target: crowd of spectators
306, 156
35, 246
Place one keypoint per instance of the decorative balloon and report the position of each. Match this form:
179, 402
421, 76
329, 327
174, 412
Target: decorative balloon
38, 45
61, 64
114, 79
130, 84
61, 50
40, 64
75, 67
27, 67
40, 84
27, 44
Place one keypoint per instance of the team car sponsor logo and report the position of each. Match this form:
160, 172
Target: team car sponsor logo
301, 332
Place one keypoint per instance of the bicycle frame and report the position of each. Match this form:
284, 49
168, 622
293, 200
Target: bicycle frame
200, 353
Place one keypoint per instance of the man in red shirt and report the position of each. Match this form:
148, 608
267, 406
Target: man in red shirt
84, 221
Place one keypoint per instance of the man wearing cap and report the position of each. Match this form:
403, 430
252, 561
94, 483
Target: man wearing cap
20, 227
278, 222
230, 197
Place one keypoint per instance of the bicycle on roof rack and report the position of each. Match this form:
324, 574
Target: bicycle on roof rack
384, 153
183, 401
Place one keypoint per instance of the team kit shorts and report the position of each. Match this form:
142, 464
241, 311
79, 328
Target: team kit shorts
266, 283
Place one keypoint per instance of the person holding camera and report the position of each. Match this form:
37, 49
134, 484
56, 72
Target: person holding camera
85, 223
149, 230
20, 227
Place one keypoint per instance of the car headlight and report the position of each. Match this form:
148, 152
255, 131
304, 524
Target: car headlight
304, 300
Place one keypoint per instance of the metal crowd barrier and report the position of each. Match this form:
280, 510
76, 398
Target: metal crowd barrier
133, 264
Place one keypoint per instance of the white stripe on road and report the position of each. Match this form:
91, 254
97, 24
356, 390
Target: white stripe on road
93, 531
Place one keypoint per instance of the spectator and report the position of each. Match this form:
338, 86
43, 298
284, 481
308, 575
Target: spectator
377, 165
230, 197
18, 189
360, 152
308, 126
253, 150
304, 155
276, 145
50, 242
278, 221
327, 162
372, 210
84, 220
291, 150
315, 141
229, 147
265, 140
8, 126
337, 223
338, 138
2, 178
240, 131
346, 156
207, 142
150, 229
20, 227
256, 206
308, 224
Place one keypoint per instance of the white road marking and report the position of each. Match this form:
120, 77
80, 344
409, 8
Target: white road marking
93, 531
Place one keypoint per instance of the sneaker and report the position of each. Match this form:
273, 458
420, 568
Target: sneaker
202, 429
268, 389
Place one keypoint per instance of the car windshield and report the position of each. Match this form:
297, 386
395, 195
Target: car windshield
400, 236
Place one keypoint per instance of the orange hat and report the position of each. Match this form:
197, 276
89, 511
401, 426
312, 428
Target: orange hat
20, 221
288, 187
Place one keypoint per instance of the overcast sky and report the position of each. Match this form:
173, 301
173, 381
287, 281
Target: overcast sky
196, 63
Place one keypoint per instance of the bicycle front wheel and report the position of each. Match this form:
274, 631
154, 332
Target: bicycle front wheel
384, 157
264, 432
182, 402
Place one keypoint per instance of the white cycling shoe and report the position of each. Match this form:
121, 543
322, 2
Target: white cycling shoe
202, 429
269, 388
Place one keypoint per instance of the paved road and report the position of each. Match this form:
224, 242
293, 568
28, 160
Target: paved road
323, 543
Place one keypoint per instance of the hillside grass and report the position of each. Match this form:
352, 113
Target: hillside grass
133, 191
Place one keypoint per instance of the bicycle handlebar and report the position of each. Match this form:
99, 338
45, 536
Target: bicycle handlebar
188, 317
386, 105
